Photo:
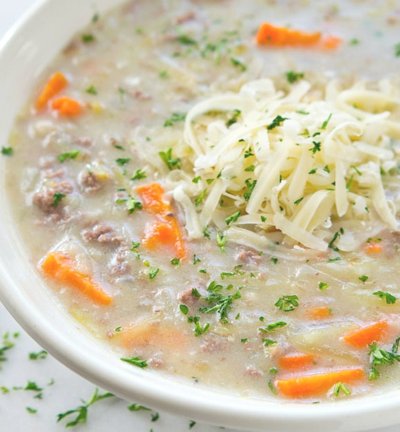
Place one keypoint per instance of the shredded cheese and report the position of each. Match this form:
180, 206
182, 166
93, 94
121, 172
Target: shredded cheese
291, 164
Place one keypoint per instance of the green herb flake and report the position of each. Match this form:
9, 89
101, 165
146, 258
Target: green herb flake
176, 262
326, 122
57, 198
363, 278
316, 148
244, 340
87, 38
196, 259
163, 74
91, 90
278, 120
341, 387
31, 410
139, 175
354, 41
175, 118
153, 272
397, 50
82, 411
7, 151
389, 298
200, 198
297, 202
287, 303
271, 386
184, 309
171, 162
293, 76
136, 407
68, 156
323, 286
41, 355
199, 330
232, 218
274, 260
272, 327
269, 342
136, 361
221, 241
239, 64
192, 424
122, 161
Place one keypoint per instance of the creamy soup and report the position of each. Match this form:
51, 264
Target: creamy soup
211, 189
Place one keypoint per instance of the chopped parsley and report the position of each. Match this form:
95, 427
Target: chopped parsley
41, 355
163, 74
87, 38
363, 278
185, 40
380, 357
221, 241
184, 309
271, 386
389, 298
175, 118
57, 198
326, 122
234, 118
196, 259
268, 342
136, 361
238, 63
397, 50
139, 175
91, 90
232, 218
200, 198
298, 201
123, 161
199, 330
335, 237
323, 286
220, 304
341, 387
354, 41
7, 345
313, 171
250, 168
274, 260
68, 156
244, 340
137, 407
287, 303
196, 179
250, 187
153, 272
278, 120
172, 163
293, 76
192, 424
176, 262
7, 151
316, 148
272, 327
31, 410
82, 411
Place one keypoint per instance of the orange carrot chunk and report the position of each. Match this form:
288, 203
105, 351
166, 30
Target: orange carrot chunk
362, 337
314, 385
55, 84
271, 35
319, 313
167, 231
373, 247
67, 107
62, 268
296, 361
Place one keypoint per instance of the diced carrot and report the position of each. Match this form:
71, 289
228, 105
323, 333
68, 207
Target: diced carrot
56, 83
296, 361
316, 384
332, 42
153, 334
366, 335
166, 231
373, 247
159, 234
271, 35
319, 313
67, 107
62, 268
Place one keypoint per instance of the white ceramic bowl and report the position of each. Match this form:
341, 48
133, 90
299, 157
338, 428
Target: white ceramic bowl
24, 52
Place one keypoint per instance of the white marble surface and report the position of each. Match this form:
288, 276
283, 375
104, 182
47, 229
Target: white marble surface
106, 416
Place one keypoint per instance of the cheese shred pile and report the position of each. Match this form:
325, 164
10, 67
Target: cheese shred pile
293, 167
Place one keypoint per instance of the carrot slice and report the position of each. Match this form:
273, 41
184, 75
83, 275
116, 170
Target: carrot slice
319, 313
316, 384
366, 335
67, 107
271, 35
166, 231
296, 361
62, 268
373, 247
153, 334
56, 83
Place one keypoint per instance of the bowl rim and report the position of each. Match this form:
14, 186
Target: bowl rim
166, 393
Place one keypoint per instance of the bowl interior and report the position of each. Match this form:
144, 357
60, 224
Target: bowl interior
29, 47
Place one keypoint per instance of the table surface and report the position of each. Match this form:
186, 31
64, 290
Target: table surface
68, 388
